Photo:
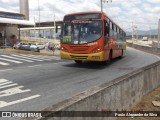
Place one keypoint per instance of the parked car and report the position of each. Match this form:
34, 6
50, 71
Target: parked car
16, 46
34, 47
40, 46
50, 46
22, 46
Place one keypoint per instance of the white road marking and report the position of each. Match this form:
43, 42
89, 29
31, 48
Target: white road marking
27, 57
3, 80
10, 85
5, 70
59, 62
36, 57
6, 83
4, 104
35, 66
3, 63
17, 58
14, 61
13, 91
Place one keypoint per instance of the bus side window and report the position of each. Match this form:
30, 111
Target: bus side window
115, 31
111, 29
120, 33
124, 36
106, 32
106, 29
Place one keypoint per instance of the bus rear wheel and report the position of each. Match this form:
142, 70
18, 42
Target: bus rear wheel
78, 61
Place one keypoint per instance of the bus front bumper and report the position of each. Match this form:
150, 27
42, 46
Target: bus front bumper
85, 57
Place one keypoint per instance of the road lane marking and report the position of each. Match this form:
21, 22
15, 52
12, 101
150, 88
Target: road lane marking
4, 104
16, 58
13, 91
3, 63
5, 70
37, 57
3, 80
35, 66
5, 83
26, 57
59, 62
14, 61
8, 85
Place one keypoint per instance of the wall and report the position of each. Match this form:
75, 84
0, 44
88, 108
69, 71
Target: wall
11, 30
153, 50
118, 94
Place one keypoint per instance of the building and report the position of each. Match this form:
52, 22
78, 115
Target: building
42, 30
9, 27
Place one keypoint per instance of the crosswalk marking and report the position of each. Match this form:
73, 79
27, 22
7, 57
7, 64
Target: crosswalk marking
16, 58
36, 57
5, 83
10, 60
10, 85
3, 80
27, 57
3, 63
7, 59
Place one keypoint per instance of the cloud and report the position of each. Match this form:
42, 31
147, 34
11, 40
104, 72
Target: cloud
124, 12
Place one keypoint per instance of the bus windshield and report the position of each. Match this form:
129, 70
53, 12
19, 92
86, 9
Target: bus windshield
81, 32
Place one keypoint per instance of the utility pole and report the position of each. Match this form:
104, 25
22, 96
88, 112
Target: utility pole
149, 32
101, 6
39, 18
54, 27
158, 34
34, 28
132, 31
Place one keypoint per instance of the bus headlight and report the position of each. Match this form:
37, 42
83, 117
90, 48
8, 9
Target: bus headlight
64, 49
96, 50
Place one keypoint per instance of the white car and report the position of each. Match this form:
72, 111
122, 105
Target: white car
40, 46
34, 48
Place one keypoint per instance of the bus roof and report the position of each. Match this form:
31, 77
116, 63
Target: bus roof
91, 12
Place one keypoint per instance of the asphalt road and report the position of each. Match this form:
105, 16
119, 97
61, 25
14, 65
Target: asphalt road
37, 85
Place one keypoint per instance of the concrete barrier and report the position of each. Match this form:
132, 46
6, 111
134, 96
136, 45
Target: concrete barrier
119, 94
153, 50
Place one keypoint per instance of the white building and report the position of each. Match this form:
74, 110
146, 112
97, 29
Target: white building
9, 24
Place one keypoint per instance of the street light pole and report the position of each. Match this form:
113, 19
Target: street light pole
132, 32
39, 18
54, 27
101, 6
158, 34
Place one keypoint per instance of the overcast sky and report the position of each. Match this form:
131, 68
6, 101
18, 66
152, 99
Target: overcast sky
144, 13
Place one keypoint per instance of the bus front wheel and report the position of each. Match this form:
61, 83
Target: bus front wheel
78, 61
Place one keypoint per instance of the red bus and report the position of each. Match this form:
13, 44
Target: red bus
91, 36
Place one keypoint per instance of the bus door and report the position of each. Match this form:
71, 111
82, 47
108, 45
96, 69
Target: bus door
106, 37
